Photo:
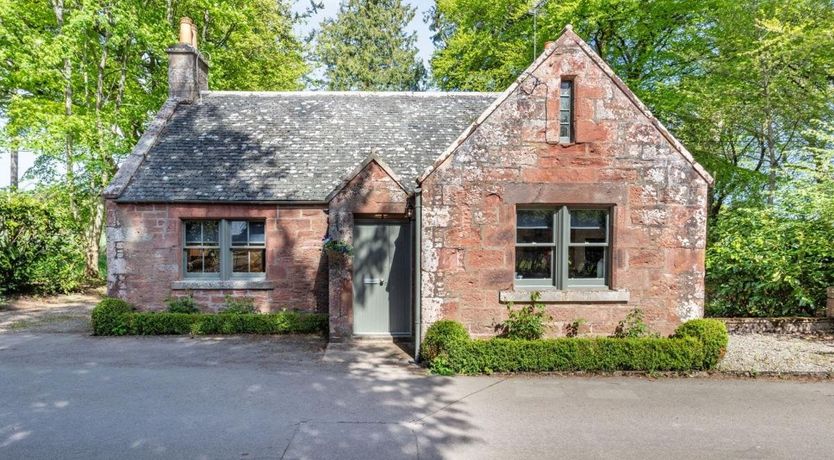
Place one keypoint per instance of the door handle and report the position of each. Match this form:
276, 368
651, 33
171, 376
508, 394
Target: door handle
379, 281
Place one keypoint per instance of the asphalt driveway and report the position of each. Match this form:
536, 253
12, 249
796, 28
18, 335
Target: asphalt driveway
74, 396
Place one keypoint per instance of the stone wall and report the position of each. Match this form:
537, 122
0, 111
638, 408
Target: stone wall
372, 192
620, 158
790, 325
144, 255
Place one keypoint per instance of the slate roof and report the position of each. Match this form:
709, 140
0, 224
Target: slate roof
294, 146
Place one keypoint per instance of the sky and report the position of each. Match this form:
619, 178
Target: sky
331, 8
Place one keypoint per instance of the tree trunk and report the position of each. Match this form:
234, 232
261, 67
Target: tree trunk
58, 8
13, 173
93, 243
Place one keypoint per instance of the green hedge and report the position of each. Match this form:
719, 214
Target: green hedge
694, 347
116, 317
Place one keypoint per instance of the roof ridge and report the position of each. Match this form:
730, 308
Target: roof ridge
352, 93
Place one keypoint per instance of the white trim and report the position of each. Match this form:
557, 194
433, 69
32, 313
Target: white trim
577, 295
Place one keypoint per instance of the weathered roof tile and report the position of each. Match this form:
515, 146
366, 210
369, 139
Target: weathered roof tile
233, 146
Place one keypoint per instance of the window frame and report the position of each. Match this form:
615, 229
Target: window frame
249, 246
568, 108
186, 247
561, 244
225, 248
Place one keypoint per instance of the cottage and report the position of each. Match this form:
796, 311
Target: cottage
455, 203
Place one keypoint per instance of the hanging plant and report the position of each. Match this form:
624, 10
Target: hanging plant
337, 247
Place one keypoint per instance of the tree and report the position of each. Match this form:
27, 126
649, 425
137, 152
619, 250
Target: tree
366, 48
79, 79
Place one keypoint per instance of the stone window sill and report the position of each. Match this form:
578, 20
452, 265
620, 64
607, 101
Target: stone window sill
222, 284
522, 295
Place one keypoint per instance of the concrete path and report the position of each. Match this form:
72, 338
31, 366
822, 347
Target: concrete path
74, 396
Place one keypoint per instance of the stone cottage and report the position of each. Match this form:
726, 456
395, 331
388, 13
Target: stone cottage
455, 204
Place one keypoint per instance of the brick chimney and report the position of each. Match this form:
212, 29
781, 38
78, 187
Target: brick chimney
187, 69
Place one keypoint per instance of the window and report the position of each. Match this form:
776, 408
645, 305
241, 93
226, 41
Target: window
563, 247
247, 246
224, 249
566, 111
202, 247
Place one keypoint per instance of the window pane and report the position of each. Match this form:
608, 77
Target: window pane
256, 233
588, 225
564, 117
211, 232
585, 262
256, 261
211, 260
534, 226
564, 132
238, 231
240, 261
194, 260
565, 87
533, 263
193, 233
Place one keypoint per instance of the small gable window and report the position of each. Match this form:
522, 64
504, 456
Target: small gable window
562, 247
566, 111
224, 249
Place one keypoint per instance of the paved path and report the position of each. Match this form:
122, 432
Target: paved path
74, 396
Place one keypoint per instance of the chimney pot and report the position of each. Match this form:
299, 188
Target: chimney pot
186, 31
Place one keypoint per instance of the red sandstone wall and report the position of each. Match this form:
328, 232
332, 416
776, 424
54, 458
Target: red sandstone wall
372, 193
619, 158
144, 254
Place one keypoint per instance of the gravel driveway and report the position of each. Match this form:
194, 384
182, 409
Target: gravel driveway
768, 353
62, 313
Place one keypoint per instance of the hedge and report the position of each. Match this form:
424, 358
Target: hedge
694, 347
116, 317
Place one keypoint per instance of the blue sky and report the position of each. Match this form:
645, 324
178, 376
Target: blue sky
331, 7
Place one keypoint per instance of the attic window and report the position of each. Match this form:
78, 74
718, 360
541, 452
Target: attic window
566, 111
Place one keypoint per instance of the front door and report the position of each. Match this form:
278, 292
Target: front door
382, 278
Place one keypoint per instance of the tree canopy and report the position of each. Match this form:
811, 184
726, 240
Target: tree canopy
367, 48
79, 79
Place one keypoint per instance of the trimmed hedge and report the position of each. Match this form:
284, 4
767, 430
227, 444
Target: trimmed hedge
446, 352
712, 334
116, 317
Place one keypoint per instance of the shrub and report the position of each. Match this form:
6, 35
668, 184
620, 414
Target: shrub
440, 336
633, 326
447, 349
526, 323
167, 323
761, 263
712, 334
185, 304
109, 317
239, 305
41, 245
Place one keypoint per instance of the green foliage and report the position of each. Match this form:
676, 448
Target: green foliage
183, 304
366, 48
633, 326
40, 250
448, 350
440, 336
761, 263
337, 247
126, 322
239, 305
527, 322
79, 81
109, 317
712, 334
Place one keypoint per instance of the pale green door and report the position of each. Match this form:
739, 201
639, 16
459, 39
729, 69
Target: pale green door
382, 278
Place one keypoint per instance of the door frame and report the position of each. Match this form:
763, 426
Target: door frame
405, 223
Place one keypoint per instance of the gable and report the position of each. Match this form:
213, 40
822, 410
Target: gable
571, 57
